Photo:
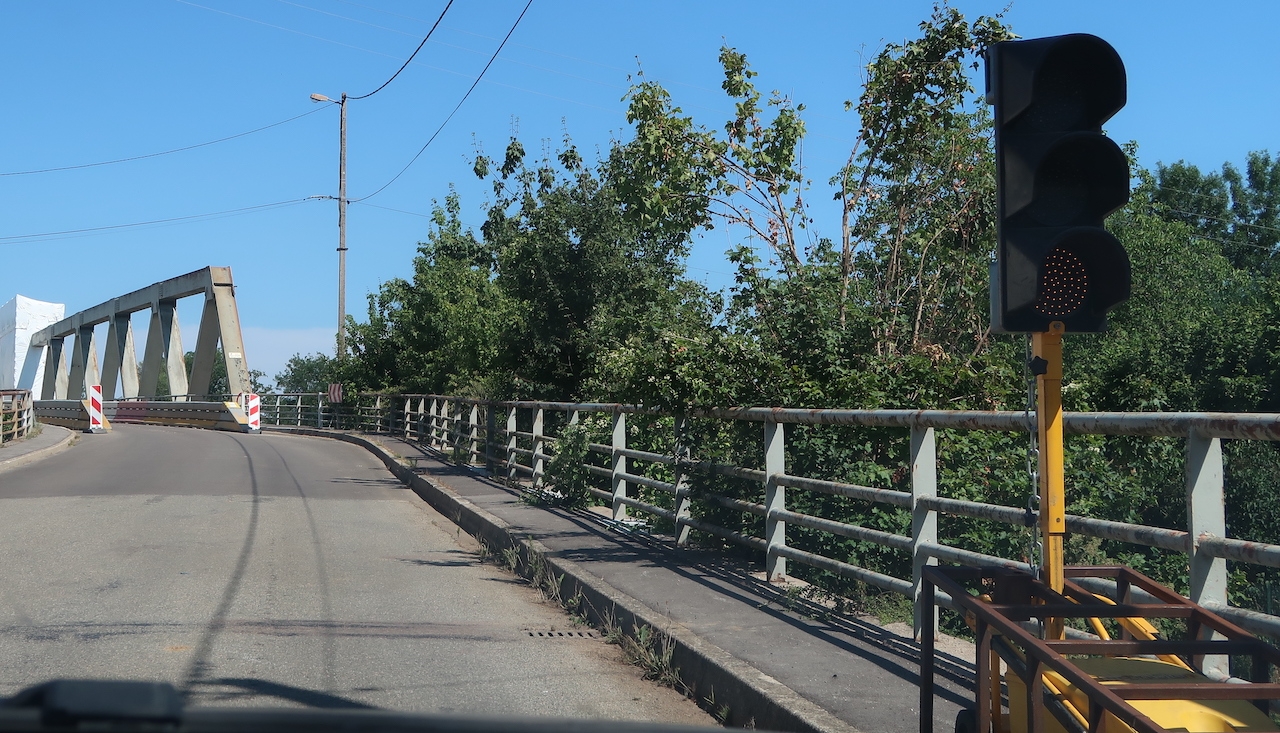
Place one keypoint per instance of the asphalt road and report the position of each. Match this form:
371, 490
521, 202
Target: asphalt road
280, 570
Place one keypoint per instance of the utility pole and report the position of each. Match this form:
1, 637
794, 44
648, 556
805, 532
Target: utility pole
342, 227
342, 218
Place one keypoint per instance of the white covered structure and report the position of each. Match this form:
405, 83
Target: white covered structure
20, 365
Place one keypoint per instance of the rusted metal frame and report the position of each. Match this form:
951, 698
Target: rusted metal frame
1197, 691
1037, 654
983, 684
865, 493
870, 577
852, 531
1201, 615
1127, 647
928, 633
1020, 612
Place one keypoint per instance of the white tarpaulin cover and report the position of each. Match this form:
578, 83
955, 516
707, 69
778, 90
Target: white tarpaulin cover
19, 319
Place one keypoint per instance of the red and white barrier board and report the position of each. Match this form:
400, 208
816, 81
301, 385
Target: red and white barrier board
95, 408
253, 411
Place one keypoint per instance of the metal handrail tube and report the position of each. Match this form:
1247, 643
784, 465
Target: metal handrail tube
969, 557
632, 453
650, 508
853, 491
600, 493
1258, 553
852, 531
975, 509
724, 469
652, 483
1255, 621
730, 503
738, 538
601, 472
1252, 426
870, 577
1138, 534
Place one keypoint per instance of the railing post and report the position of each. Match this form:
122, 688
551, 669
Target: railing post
924, 521
619, 465
490, 426
1206, 516
775, 499
408, 412
319, 409
511, 444
431, 423
474, 435
682, 453
538, 445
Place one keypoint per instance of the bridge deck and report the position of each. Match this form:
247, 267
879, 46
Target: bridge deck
862, 673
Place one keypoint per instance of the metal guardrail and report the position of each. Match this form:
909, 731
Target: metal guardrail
479, 431
17, 416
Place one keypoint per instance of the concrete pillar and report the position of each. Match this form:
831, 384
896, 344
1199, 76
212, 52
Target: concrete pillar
55, 371
120, 361
538, 446
84, 364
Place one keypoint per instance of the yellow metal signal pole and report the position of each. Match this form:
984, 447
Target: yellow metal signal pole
1053, 522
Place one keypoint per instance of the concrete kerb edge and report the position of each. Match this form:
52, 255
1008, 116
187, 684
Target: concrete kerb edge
40, 453
751, 696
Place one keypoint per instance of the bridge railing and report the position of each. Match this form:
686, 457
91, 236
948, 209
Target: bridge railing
517, 440
17, 417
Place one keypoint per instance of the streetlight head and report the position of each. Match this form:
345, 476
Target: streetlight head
320, 98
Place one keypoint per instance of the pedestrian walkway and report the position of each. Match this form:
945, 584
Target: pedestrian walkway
861, 673
50, 440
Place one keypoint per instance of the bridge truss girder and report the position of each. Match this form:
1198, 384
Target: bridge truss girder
219, 324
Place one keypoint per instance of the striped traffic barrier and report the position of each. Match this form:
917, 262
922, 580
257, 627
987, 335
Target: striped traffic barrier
95, 409
253, 411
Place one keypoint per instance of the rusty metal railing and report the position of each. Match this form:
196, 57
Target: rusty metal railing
486, 433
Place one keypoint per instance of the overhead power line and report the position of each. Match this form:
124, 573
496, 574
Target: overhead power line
163, 152
415, 53
462, 101
22, 238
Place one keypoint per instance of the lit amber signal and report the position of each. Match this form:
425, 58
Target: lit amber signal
1064, 284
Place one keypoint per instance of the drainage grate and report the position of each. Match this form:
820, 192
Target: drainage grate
563, 634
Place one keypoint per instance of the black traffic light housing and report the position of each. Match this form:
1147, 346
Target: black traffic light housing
1057, 179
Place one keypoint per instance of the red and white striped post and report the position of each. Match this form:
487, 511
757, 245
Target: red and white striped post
253, 411
95, 409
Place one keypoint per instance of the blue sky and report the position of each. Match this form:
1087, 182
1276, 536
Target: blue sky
85, 82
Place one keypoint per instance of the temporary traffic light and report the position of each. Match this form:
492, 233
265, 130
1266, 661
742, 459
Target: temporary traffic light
1058, 177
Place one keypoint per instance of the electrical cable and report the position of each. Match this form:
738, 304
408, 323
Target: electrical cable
165, 152
455, 109
23, 238
415, 53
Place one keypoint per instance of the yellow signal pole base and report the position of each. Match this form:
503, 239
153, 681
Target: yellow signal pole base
1053, 521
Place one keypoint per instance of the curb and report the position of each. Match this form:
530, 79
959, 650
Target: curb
754, 699
40, 453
